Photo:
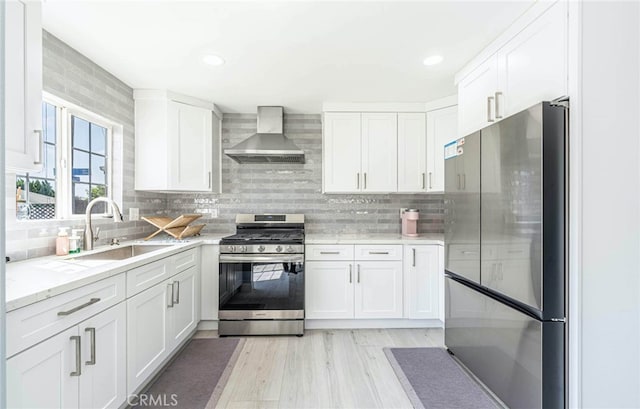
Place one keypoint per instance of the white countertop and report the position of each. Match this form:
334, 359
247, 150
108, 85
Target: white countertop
40, 278
373, 238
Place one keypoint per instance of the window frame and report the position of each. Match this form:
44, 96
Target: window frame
65, 110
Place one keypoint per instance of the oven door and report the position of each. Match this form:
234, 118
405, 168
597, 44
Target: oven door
261, 286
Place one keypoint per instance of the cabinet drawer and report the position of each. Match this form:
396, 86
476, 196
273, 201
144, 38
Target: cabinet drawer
37, 322
146, 276
185, 260
329, 252
513, 252
464, 252
379, 252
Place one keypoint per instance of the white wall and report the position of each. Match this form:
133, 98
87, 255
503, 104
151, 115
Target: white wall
2, 218
609, 226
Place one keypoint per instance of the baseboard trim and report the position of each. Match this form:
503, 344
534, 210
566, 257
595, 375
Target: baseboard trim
376, 323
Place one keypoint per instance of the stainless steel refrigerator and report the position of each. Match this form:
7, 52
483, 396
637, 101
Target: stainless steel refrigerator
505, 255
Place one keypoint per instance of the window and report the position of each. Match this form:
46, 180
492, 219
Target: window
77, 164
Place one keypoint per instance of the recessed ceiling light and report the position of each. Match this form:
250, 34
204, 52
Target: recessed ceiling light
212, 59
433, 60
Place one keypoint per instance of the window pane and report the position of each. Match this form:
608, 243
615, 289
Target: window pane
98, 170
49, 118
80, 166
80, 197
98, 139
97, 191
50, 161
80, 133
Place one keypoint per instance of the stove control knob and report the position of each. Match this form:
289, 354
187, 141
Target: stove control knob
261, 249
290, 249
243, 249
232, 248
278, 249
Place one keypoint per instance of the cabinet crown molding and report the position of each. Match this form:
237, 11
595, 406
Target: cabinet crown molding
141, 94
405, 107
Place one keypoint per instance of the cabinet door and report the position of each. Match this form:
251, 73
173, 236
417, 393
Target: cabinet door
182, 316
23, 85
412, 153
341, 152
442, 128
379, 152
378, 289
40, 377
103, 383
190, 147
146, 334
532, 67
329, 289
476, 94
422, 281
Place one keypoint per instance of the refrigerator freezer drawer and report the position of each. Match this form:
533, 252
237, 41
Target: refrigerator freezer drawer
518, 357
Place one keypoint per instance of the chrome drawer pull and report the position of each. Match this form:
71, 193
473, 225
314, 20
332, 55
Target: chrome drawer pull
378, 252
79, 307
329, 252
350, 273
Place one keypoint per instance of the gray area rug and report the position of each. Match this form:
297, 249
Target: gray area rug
432, 379
196, 377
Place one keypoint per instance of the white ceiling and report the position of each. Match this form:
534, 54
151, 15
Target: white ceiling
295, 54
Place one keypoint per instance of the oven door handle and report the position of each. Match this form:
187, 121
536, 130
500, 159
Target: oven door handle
263, 258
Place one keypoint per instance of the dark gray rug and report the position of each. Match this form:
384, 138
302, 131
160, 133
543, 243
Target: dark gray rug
196, 377
432, 379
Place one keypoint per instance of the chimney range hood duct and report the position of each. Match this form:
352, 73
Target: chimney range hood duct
269, 145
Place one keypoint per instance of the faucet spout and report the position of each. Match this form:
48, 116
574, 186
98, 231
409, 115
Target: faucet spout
89, 239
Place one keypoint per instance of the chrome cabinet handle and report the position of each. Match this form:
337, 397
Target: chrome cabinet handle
350, 273
78, 370
365, 180
430, 185
358, 272
378, 252
414, 257
489, 104
358, 180
459, 185
92, 334
177, 300
329, 252
423, 180
78, 308
464, 181
498, 95
170, 305
40, 147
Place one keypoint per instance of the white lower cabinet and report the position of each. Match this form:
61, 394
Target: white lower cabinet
378, 289
182, 316
146, 333
82, 367
329, 289
369, 288
423, 271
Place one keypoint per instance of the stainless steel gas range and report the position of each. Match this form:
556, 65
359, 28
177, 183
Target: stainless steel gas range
262, 276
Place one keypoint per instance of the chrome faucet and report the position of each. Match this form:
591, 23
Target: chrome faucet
89, 238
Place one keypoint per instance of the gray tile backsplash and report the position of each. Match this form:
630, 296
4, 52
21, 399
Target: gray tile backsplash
248, 188
296, 188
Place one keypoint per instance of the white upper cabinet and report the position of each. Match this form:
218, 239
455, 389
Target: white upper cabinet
476, 97
412, 146
341, 152
379, 152
175, 138
529, 65
532, 67
23, 85
442, 128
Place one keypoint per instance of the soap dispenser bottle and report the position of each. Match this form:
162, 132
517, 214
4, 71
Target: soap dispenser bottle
62, 242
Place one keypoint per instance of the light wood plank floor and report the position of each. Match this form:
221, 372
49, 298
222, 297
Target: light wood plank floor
323, 369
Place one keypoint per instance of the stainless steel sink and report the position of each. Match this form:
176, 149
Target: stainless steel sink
122, 253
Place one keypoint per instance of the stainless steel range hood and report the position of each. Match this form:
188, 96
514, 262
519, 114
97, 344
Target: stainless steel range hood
269, 145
